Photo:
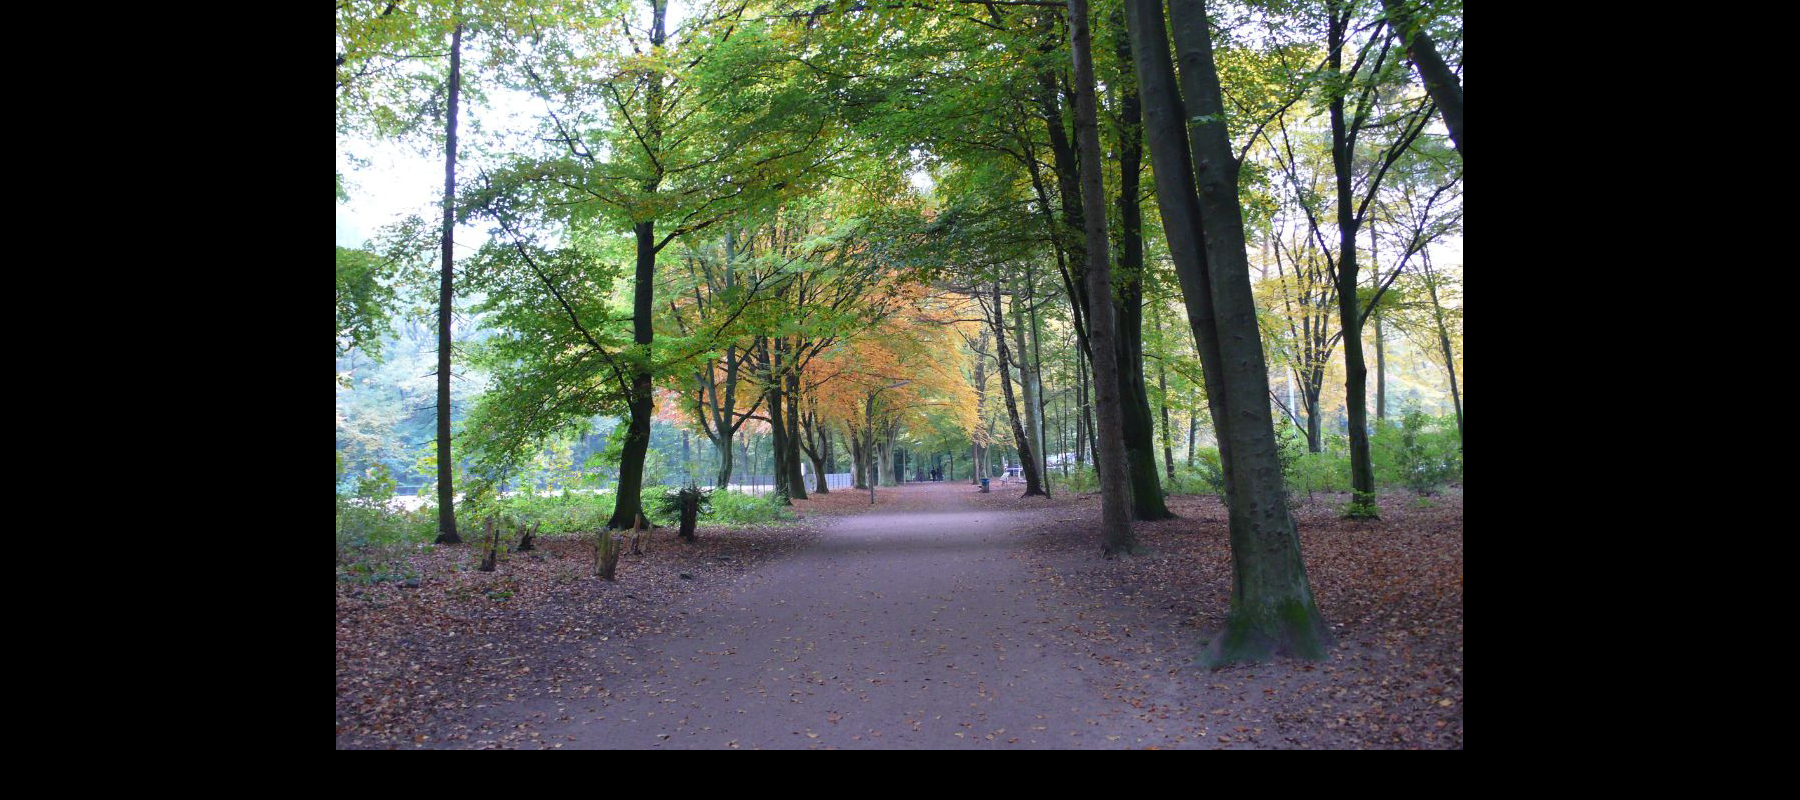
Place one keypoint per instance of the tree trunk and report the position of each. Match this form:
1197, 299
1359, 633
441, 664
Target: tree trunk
629, 502
1193, 436
1116, 534
1272, 609
1033, 410
445, 465
1171, 163
1026, 463
1139, 426
1162, 389
1356, 371
796, 479
628, 505
1444, 340
1436, 76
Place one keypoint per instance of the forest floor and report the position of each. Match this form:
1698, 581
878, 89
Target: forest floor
937, 618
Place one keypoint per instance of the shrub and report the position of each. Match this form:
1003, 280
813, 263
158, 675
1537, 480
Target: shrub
737, 508
368, 528
1421, 453
1082, 479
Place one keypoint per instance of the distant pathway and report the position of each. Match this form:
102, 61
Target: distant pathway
912, 625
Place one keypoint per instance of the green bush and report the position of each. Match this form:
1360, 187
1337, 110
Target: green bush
368, 527
1082, 479
564, 513
1421, 453
737, 508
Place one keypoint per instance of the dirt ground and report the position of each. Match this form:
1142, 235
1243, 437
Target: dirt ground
937, 618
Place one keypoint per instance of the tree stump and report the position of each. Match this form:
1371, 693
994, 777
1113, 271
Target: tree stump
606, 554
525, 545
492, 532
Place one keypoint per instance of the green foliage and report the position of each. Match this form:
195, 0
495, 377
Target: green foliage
671, 502
1083, 479
737, 508
1211, 473
567, 512
365, 302
371, 534
1422, 453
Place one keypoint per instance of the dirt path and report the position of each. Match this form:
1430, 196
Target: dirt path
914, 624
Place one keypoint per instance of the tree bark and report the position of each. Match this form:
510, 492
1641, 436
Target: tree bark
445, 465
1117, 537
796, 479
1356, 371
1440, 83
1026, 463
1171, 163
1162, 389
1444, 340
628, 505
1139, 426
1272, 609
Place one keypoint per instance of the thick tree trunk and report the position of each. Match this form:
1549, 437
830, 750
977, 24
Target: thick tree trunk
723, 479
1440, 83
1272, 608
628, 504
1139, 426
1178, 204
1117, 537
445, 465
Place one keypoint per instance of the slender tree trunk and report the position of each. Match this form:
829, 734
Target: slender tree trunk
1033, 411
796, 480
1440, 83
1026, 463
724, 451
1040, 440
1193, 436
1444, 340
628, 505
1117, 537
1162, 389
445, 465
857, 461
980, 406
1272, 609
1081, 406
1356, 371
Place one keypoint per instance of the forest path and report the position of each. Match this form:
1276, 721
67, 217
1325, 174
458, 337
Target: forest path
913, 624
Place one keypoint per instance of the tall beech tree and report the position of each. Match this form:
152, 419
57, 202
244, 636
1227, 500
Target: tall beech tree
1272, 608
1117, 537
683, 133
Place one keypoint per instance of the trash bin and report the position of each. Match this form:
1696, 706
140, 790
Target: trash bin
984, 485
